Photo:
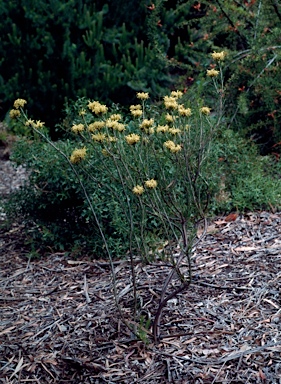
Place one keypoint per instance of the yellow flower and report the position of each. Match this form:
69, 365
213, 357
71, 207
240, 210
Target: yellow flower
120, 127
212, 72
132, 138
77, 128
147, 123
96, 126
162, 128
39, 124
184, 111
174, 131
169, 118
136, 110
82, 112
99, 137
136, 113
138, 190
115, 117
97, 108
172, 146
19, 103
218, 56
142, 95
151, 183
115, 125
176, 149
29, 122
176, 94
78, 155
205, 110
111, 123
135, 107
170, 102
14, 113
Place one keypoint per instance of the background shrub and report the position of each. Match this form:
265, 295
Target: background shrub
56, 51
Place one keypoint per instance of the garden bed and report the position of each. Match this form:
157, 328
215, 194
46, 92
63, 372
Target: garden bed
59, 322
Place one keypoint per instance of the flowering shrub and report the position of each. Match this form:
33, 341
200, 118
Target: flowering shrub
148, 175
158, 165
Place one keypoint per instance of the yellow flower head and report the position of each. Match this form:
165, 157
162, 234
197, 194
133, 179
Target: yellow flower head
99, 137
151, 183
162, 128
172, 146
19, 103
115, 125
29, 122
111, 123
147, 123
174, 131
184, 111
132, 138
115, 117
14, 113
135, 107
176, 94
142, 95
96, 126
39, 124
82, 112
77, 128
169, 118
170, 102
218, 56
78, 155
136, 110
97, 108
212, 72
205, 110
138, 190
136, 113
120, 127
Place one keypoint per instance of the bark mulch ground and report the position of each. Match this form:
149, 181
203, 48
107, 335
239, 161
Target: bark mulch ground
59, 323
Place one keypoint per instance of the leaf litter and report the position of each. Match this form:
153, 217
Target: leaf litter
59, 322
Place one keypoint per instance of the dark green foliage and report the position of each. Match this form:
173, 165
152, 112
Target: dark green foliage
53, 51
248, 181
56, 50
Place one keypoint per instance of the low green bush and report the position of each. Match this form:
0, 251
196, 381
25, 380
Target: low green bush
249, 181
